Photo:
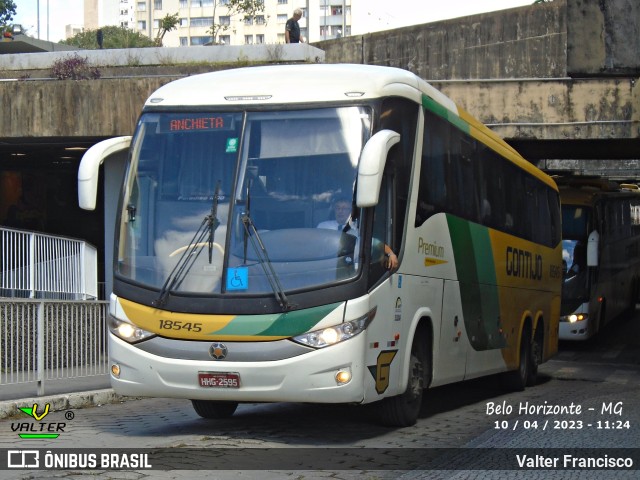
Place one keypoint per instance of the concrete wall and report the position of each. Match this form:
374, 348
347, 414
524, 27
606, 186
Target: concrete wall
552, 109
562, 38
603, 37
525, 42
110, 106
74, 108
140, 61
583, 54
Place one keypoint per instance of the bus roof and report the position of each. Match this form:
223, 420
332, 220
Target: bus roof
294, 84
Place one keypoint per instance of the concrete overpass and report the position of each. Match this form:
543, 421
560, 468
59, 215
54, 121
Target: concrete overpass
558, 80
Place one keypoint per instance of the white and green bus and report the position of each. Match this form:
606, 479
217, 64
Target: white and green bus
601, 254
225, 291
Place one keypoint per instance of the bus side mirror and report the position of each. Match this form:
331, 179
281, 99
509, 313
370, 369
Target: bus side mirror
90, 168
592, 249
372, 161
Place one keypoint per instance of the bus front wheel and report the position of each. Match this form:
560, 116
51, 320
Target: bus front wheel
403, 410
214, 410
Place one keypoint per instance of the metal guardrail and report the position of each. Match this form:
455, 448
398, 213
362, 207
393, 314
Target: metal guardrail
43, 340
36, 265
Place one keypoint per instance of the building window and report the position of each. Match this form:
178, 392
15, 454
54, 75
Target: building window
184, 3
201, 21
282, 18
224, 20
248, 39
142, 6
200, 40
184, 22
259, 39
281, 38
248, 20
142, 25
260, 20
157, 4
283, 2
224, 2
184, 42
224, 39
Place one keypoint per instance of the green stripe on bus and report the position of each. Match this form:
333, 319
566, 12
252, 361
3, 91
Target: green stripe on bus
284, 324
430, 104
475, 268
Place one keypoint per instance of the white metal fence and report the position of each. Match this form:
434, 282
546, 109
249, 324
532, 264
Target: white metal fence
43, 340
35, 265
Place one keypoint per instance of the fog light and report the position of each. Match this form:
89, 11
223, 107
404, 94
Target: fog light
343, 376
115, 370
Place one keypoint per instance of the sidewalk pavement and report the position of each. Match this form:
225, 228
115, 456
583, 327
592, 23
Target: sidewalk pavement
61, 394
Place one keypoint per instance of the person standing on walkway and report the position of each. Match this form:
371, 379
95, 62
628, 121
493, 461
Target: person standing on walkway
292, 28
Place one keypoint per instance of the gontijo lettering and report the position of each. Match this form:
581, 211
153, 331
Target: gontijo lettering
523, 264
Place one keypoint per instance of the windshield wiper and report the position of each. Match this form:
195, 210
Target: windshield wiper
192, 251
251, 234
212, 219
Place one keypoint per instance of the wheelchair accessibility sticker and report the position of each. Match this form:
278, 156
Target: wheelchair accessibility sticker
237, 278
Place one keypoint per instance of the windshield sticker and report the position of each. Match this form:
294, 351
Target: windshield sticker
232, 145
237, 278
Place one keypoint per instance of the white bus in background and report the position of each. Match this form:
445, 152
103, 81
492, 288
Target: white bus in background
224, 290
601, 254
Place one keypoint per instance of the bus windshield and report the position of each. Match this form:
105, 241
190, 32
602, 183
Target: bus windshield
230, 202
575, 227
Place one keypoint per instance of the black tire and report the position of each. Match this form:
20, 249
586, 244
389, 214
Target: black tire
518, 379
403, 410
214, 409
534, 360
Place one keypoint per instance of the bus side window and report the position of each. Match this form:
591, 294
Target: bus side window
432, 192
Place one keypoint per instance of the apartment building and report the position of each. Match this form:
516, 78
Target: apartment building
322, 20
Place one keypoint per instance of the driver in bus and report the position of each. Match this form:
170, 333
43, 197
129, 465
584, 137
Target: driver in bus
342, 214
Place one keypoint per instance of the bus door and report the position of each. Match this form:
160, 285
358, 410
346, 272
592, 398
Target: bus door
453, 345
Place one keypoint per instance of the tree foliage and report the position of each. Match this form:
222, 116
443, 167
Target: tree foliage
7, 11
113, 37
168, 23
247, 8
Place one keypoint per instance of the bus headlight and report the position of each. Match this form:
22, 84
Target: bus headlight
332, 335
574, 317
127, 331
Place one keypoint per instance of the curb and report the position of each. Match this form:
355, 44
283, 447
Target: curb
93, 398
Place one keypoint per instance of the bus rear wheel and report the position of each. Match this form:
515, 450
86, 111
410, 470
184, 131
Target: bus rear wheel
518, 379
214, 409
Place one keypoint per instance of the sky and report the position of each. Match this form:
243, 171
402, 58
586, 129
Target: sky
367, 15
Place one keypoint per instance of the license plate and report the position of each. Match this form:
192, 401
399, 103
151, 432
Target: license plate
219, 379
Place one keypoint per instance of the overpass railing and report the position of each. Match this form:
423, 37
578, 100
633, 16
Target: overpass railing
51, 340
36, 265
